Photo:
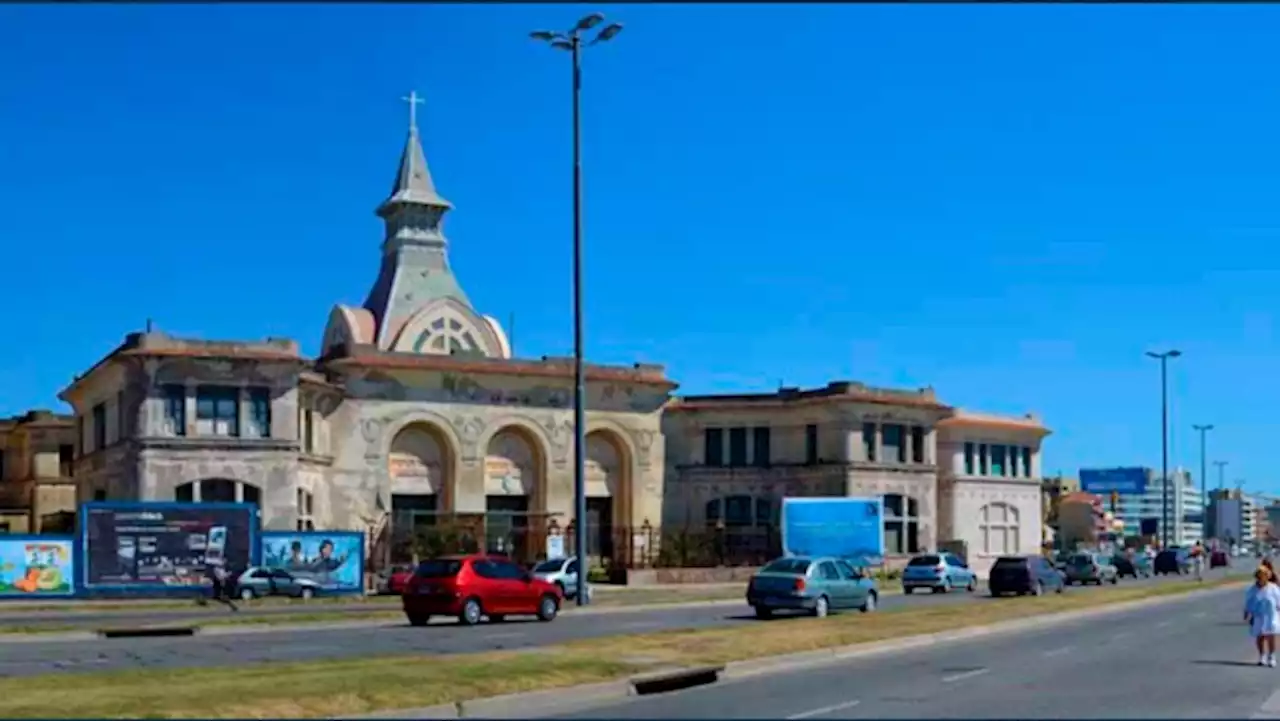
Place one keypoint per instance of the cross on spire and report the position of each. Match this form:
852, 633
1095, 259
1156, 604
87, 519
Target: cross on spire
414, 101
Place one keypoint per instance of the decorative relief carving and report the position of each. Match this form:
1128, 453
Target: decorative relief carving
469, 431
644, 444
560, 436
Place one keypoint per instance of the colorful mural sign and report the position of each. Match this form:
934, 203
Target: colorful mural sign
333, 559
36, 566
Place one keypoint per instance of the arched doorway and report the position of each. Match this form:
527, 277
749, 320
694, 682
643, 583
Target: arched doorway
512, 488
608, 491
218, 490
420, 466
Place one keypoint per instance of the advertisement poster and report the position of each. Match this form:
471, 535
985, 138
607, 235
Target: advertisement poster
335, 560
36, 566
849, 528
156, 546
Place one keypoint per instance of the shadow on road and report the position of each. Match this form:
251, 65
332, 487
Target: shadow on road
1224, 663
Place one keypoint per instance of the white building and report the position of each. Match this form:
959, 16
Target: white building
1249, 521
1186, 507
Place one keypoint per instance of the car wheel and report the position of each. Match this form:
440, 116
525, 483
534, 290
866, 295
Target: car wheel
306, 594
821, 607
973, 585
419, 620
1115, 580
548, 607
247, 594
869, 605
908, 590
764, 613
471, 612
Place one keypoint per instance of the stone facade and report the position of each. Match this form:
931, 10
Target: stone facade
37, 493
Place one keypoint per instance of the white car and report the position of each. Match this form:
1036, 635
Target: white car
258, 582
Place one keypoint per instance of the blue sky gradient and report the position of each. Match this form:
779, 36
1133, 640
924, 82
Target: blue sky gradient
1009, 203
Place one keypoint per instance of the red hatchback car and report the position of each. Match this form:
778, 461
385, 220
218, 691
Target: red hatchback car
473, 586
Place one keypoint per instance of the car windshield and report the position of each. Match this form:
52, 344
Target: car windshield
925, 561
439, 568
793, 566
553, 566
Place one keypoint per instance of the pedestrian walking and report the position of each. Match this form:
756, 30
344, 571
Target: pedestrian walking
1262, 613
220, 580
1271, 571
1197, 560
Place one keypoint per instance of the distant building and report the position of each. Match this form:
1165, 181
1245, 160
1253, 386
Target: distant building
1226, 516
1081, 519
37, 490
1186, 507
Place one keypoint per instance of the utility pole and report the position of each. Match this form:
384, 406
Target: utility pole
1164, 441
1222, 473
1204, 474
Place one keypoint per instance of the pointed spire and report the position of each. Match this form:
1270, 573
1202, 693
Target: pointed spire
413, 185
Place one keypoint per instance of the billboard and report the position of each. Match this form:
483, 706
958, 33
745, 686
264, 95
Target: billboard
1125, 481
849, 528
333, 559
159, 546
37, 567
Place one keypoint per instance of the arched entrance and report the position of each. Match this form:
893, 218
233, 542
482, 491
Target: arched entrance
420, 465
608, 490
218, 490
513, 468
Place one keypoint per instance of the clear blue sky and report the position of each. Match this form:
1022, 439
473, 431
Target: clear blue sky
1009, 203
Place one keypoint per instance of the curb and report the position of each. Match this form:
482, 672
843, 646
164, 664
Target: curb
568, 699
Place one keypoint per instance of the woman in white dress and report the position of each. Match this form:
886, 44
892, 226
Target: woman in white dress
1262, 613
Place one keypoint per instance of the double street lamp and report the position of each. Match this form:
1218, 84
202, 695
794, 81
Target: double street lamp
1164, 440
574, 41
1204, 479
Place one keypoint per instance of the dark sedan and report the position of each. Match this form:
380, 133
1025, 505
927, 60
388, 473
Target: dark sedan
1132, 566
1022, 575
1172, 562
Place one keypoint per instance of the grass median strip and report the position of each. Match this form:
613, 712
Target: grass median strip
349, 687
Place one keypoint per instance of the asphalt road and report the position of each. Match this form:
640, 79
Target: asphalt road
1183, 659
34, 656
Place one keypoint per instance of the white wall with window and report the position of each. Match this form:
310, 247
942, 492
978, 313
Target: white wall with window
995, 519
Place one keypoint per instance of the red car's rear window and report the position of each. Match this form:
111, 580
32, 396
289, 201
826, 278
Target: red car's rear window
439, 568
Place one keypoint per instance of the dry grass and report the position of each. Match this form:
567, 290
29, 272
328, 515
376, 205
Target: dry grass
334, 688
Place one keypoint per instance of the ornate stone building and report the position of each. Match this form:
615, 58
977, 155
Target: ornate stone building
37, 492
731, 459
415, 411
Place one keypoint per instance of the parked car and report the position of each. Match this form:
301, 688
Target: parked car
1132, 565
258, 582
1219, 559
476, 586
1022, 575
392, 580
1086, 568
939, 572
818, 585
1172, 561
563, 572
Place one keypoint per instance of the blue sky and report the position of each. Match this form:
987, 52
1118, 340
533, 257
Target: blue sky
1009, 203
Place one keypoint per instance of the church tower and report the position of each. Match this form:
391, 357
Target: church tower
416, 305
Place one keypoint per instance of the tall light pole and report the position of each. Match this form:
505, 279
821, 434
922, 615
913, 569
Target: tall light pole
1164, 440
572, 41
1222, 473
1204, 482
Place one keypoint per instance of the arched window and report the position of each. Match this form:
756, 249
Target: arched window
901, 525
447, 335
217, 490
998, 525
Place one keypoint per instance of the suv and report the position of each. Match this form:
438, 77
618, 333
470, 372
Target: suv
1172, 561
1024, 574
563, 572
1086, 568
470, 587
939, 572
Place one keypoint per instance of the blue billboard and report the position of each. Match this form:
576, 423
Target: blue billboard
849, 528
333, 559
1125, 481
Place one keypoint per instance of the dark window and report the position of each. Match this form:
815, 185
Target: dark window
811, 444
968, 459
794, 566
713, 440
847, 571
982, 459
1026, 462
251, 494
217, 411
764, 512
713, 512
66, 461
737, 447
737, 511
1, 464
185, 493
869, 441
762, 450
485, 569
122, 418
1010, 562
828, 571
260, 413
99, 427
439, 568
998, 460
99, 495
281, 574
308, 432
508, 571
901, 525
217, 490
260, 573
80, 439
917, 444
925, 561
891, 442
573, 567
175, 410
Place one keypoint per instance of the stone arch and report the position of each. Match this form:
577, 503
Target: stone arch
422, 460
217, 489
450, 321
515, 463
610, 470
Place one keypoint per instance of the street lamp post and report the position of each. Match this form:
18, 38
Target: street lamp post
573, 42
1222, 473
1204, 480
1164, 440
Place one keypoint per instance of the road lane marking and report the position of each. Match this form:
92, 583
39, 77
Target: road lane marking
1058, 651
967, 674
824, 710
1270, 709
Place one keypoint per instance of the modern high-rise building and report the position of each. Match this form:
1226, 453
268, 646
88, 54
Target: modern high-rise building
1146, 502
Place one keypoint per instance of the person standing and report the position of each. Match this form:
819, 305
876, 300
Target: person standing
220, 580
1197, 560
1262, 613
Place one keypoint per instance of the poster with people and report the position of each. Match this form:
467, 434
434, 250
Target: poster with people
334, 560
36, 566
